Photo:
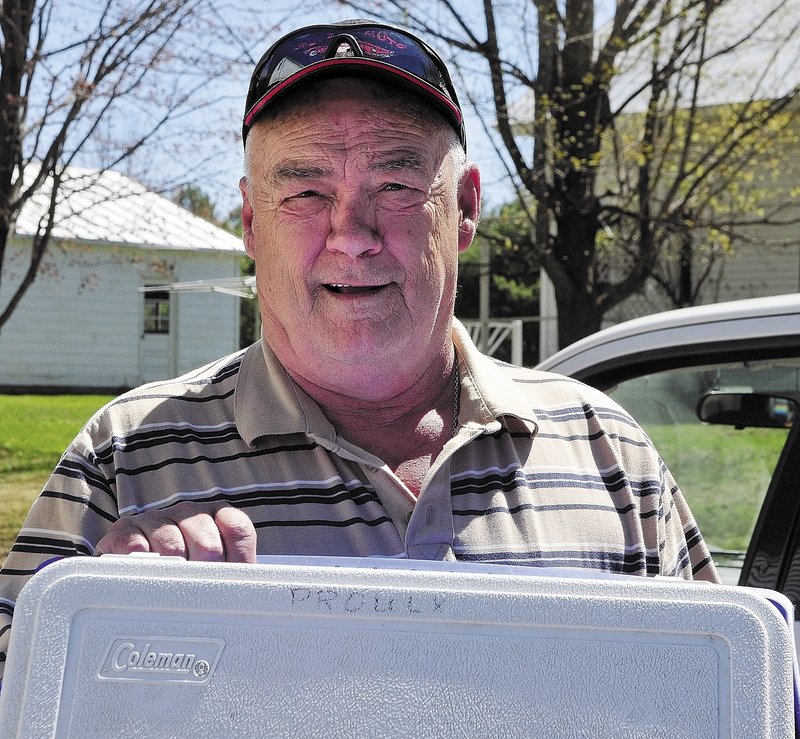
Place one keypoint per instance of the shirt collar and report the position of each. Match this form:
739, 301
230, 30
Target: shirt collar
487, 393
268, 402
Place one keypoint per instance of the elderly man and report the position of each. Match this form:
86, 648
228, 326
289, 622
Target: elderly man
365, 423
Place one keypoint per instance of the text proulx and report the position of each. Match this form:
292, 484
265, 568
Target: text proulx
364, 601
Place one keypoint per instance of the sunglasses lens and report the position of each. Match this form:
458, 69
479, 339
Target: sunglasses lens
293, 55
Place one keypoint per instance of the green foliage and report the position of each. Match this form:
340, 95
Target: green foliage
514, 290
198, 202
720, 160
712, 172
248, 309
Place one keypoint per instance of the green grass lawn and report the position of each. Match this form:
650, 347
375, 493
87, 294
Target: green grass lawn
34, 431
724, 474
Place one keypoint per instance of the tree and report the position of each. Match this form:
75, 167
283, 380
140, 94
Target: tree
193, 199
614, 166
746, 196
514, 277
100, 83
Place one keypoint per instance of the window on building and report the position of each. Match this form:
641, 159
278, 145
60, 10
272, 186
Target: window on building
156, 312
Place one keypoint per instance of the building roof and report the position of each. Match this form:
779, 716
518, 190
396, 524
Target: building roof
109, 207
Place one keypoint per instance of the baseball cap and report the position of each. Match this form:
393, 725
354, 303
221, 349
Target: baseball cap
360, 48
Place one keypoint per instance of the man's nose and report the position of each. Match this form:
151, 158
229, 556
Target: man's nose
353, 229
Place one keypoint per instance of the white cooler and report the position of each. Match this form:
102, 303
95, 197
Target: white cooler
293, 647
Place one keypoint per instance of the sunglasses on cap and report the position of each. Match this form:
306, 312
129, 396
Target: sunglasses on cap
358, 48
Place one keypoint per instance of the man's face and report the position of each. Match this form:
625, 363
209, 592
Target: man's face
356, 211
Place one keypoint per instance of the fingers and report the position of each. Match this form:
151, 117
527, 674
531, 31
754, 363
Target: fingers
124, 537
195, 531
238, 534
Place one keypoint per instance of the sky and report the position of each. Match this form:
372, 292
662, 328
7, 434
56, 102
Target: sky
206, 148
219, 163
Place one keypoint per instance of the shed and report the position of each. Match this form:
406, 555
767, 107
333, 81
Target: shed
86, 323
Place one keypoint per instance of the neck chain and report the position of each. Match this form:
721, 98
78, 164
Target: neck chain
456, 397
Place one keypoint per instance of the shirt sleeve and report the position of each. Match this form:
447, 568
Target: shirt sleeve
666, 519
72, 513
684, 553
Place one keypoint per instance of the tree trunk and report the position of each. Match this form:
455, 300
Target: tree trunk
578, 316
15, 23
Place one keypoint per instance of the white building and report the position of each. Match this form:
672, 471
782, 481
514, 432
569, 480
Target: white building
86, 322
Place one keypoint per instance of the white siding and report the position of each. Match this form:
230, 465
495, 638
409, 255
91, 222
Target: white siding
207, 322
757, 271
80, 324
750, 272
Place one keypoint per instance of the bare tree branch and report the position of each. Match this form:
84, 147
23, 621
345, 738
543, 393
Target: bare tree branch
59, 86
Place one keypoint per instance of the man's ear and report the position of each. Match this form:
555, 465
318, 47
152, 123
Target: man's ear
469, 205
247, 219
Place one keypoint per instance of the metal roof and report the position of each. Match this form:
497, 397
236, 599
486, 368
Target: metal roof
107, 206
243, 287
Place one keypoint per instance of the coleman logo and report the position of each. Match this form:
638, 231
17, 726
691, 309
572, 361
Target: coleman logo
161, 659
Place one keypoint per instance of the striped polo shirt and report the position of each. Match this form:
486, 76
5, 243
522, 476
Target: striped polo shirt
543, 471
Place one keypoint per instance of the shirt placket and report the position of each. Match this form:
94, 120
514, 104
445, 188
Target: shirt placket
430, 531
424, 524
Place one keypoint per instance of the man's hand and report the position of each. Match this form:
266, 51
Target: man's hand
208, 532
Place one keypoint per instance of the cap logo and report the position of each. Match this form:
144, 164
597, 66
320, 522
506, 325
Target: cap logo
344, 50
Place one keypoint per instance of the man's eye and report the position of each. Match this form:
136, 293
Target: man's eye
304, 203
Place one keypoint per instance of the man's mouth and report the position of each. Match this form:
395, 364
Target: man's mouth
343, 289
